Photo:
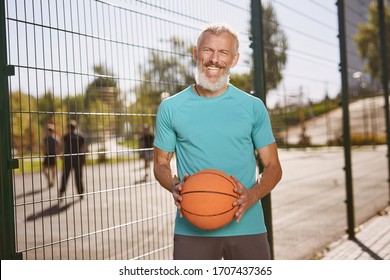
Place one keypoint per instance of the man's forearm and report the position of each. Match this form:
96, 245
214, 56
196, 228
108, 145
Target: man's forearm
269, 179
164, 176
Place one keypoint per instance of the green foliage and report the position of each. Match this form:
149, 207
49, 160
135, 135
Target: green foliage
103, 85
102, 99
165, 73
50, 110
368, 43
96, 111
172, 71
24, 120
275, 48
243, 81
101, 110
290, 116
275, 54
359, 139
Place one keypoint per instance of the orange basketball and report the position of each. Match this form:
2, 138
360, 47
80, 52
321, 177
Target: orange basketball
208, 198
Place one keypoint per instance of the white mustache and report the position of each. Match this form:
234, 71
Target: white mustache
202, 80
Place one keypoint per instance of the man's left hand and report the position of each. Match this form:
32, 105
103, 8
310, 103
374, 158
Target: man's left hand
245, 201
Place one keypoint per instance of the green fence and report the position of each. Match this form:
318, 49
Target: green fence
108, 65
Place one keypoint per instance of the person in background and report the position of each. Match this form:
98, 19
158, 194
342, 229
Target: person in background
74, 158
51, 146
214, 125
145, 143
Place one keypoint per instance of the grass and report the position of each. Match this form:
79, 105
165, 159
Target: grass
35, 164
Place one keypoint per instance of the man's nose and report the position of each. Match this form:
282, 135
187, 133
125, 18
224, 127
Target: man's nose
214, 57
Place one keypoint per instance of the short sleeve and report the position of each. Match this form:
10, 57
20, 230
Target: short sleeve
262, 130
165, 138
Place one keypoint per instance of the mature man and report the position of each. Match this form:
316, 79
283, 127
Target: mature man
214, 125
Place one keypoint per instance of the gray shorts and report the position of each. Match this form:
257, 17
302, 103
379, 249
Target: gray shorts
244, 247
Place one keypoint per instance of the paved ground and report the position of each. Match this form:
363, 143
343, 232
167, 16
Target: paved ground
372, 242
124, 217
309, 210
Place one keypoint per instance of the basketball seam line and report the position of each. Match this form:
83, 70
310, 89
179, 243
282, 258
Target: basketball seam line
200, 215
207, 191
214, 174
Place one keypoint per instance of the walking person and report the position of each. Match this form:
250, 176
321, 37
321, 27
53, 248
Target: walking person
51, 147
74, 158
214, 125
145, 143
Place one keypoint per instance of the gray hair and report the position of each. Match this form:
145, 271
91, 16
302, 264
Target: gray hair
216, 29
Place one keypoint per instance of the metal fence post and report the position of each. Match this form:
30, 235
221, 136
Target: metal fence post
260, 91
346, 123
7, 231
385, 80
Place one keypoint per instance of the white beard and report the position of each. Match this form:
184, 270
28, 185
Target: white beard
202, 80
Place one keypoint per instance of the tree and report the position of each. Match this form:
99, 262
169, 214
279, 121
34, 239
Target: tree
275, 48
24, 128
243, 81
166, 72
368, 43
100, 102
74, 105
275, 56
48, 104
171, 71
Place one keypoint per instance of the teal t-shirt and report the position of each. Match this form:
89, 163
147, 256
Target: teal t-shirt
216, 133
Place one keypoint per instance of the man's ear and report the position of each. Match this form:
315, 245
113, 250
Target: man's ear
195, 54
235, 60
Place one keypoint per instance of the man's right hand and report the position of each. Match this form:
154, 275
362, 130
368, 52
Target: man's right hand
176, 189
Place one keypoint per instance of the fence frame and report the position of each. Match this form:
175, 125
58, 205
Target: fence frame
346, 123
260, 92
385, 80
7, 231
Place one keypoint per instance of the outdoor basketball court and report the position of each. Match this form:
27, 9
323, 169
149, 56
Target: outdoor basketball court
128, 213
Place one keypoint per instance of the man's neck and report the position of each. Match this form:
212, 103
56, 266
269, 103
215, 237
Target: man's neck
208, 93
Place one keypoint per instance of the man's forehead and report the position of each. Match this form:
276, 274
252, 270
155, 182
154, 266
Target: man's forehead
212, 38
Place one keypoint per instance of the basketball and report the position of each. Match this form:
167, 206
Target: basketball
208, 198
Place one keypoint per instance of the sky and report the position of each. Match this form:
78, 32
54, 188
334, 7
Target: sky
312, 68
122, 41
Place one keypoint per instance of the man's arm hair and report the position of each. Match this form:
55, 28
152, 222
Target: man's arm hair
162, 168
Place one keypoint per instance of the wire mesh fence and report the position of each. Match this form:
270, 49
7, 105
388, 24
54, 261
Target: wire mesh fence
309, 126
108, 64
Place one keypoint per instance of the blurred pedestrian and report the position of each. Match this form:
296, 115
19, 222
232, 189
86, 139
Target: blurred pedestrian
74, 157
145, 143
51, 146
